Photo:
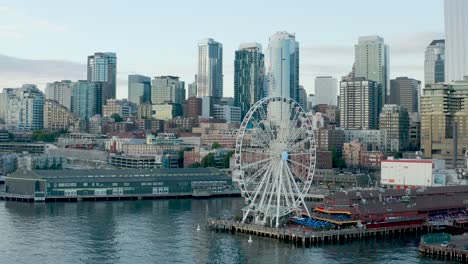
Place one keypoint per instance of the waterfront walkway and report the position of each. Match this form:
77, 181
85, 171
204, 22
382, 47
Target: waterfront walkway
307, 237
447, 248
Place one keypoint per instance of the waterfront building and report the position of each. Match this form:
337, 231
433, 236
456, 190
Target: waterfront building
139, 89
456, 39
232, 114
358, 104
326, 90
60, 92
434, 62
8, 163
25, 108
404, 91
413, 173
116, 106
167, 89
444, 121
192, 88
102, 69
210, 69
372, 63
57, 116
249, 72
394, 126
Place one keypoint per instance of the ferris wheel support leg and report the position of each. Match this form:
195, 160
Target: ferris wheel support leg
298, 191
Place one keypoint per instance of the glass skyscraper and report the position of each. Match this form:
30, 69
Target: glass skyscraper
456, 39
139, 89
434, 62
249, 71
102, 68
210, 69
84, 102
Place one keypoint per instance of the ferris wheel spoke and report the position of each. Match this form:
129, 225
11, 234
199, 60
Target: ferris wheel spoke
254, 150
266, 129
299, 192
293, 147
255, 163
295, 133
267, 140
264, 117
298, 164
256, 192
256, 174
289, 194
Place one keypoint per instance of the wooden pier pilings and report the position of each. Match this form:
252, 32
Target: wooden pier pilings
308, 238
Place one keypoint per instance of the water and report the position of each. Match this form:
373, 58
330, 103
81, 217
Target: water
162, 231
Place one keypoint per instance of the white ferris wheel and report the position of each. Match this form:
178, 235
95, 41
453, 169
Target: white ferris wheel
274, 160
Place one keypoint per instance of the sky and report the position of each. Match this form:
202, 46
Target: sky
49, 40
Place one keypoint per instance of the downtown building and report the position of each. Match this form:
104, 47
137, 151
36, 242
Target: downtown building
192, 88
434, 62
210, 69
85, 99
102, 70
394, 128
404, 91
25, 108
60, 92
167, 89
116, 106
358, 104
372, 63
57, 116
249, 72
326, 90
139, 89
456, 39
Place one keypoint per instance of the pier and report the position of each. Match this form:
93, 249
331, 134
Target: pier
307, 238
445, 247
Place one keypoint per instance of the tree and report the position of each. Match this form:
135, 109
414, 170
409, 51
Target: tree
216, 145
227, 158
117, 118
11, 136
337, 161
195, 165
44, 136
208, 161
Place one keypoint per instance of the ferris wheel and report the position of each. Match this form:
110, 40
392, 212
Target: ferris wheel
274, 160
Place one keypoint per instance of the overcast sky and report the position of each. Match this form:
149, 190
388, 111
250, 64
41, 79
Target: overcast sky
49, 40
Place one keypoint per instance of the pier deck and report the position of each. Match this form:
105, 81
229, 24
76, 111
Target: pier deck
305, 237
454, 251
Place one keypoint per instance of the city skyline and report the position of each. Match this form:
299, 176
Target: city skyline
323, 51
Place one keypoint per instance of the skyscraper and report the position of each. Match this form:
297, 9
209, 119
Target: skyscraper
60, 92
372, 63
25, 108
302, 98
434, 62
326, 90
192, 88
283, 66
404, 91
167, 89
102, 68
358, 104
249, 70
139, 89
456, 39
84, 99
210, 69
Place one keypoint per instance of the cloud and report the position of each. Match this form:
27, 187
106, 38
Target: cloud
411, 43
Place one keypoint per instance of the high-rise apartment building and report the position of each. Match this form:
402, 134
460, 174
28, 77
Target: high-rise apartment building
394, 128
456, 39
358, 104
372, 63
57, 116
192, 88
84, 101
210, 69
444, 120
326, 90
60, 92
116, 106
167, 89
434, 62
139, 89
249, 72
102, 68
302, 97
404, 91
25, 108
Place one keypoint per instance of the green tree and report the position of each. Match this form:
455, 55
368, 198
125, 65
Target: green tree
117, 118
337, 160
216, 145
11, 136
208, 161
195, 165
227, 158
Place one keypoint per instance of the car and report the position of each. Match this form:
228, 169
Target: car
444, 244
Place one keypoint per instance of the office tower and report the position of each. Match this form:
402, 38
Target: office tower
192, 88
372, 63
116, 106
59, 92
311, 102
444, 112
249, 72
456, 39
139, 89
84, 102
102, 68
194, 107
57, 116
326, 90
25, 108
414, 131
167, 89
434, 62
404, 91
302, 97
210, 69
232, 114
283, 67
358, 101
394, 128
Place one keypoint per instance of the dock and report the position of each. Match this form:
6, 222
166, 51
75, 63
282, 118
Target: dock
444, 247
308, 238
